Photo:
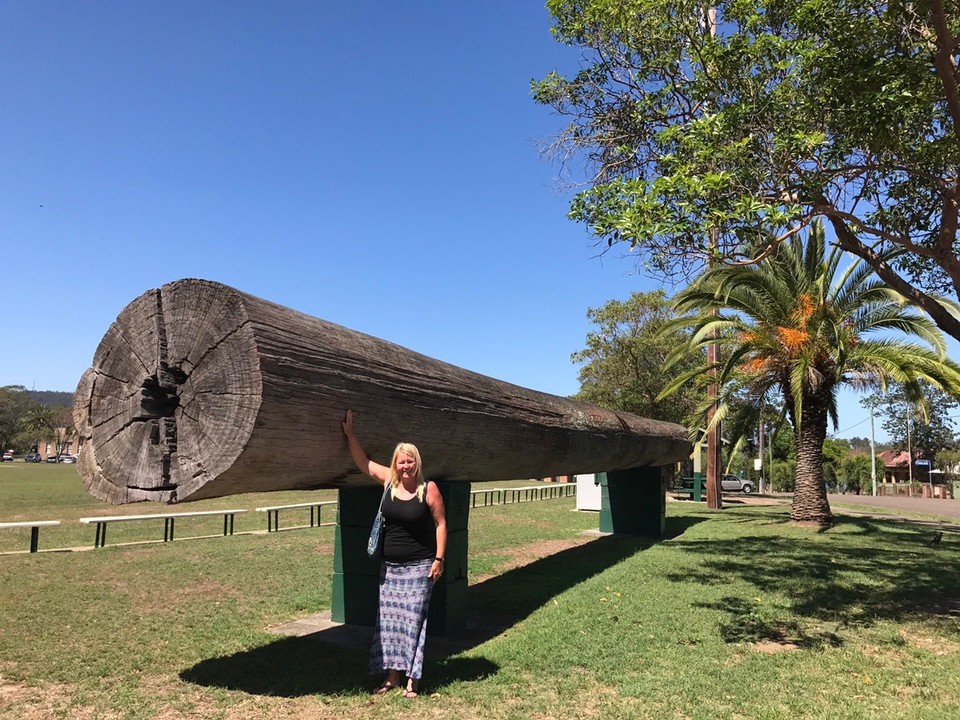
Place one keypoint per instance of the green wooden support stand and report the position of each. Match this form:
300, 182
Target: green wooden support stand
633, 502
356, 577
448, 606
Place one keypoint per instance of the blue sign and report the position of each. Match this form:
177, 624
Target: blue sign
921, 461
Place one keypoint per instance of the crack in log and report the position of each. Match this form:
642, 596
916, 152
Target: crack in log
159, 399
218, 343
131, 346
159, 394
101, 373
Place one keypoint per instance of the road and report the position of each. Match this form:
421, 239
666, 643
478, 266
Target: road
902, 503
948, 509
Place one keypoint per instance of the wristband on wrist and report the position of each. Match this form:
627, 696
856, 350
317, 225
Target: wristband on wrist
439, 560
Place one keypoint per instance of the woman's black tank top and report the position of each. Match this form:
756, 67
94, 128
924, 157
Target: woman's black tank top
410, 532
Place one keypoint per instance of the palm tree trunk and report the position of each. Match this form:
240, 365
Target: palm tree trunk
810, 502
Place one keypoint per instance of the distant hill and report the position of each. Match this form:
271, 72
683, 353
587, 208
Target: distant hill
51, 398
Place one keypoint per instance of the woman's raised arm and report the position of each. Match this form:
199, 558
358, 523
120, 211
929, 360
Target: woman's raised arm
378, 472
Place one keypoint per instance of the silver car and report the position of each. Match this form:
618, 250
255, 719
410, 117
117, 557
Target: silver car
732, 483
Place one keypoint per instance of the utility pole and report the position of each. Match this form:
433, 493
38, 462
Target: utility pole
760, 453
909, 451
873, 455
714, 496
714, 499
773, 432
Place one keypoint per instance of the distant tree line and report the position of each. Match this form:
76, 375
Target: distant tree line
29, 417
624, 367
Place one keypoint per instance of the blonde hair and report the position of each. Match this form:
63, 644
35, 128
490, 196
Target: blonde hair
409, 449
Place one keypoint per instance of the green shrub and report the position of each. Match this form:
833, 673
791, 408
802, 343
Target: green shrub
783, 475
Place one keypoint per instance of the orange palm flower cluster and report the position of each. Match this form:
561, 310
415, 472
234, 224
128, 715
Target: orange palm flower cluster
793, 339
756, 365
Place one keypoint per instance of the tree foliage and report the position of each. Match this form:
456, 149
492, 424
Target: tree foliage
623, 362
14, 405
796, 324
948, 462
855, 476
722, 145
24, 421
51, 424
928, 415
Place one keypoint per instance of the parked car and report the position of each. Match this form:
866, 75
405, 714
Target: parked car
62, 459
736, 484
8, 456
33, 458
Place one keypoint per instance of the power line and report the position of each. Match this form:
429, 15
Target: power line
851, 427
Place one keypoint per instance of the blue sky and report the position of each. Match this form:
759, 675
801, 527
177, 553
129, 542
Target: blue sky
371, 163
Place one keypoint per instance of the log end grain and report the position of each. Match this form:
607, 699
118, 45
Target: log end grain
172, 396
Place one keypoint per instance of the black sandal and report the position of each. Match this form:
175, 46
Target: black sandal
385, 686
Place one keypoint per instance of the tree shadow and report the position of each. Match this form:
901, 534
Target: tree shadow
833, 585
334, 661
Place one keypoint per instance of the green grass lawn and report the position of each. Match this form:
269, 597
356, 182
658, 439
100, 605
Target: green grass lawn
739, 615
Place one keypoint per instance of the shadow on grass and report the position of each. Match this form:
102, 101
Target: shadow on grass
677, 526
518, 592
878, 569
298, 666
334, 661
748, 624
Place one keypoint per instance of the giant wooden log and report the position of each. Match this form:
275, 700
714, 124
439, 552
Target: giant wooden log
198, 390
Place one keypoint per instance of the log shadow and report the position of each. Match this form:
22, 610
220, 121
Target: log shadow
298, 666
334, 661
501, 601
677, 526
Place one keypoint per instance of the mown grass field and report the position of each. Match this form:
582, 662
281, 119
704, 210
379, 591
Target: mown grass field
738, 615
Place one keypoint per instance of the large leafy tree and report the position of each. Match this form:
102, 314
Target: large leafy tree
719, 145
799, 324
51, 424
931, 427
623, 361
15, 403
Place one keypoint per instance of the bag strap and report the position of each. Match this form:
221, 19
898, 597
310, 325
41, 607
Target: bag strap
386, 489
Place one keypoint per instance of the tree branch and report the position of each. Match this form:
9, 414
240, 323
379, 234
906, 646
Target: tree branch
943, 63
848, 241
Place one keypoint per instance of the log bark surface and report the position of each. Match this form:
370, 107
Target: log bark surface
198, 390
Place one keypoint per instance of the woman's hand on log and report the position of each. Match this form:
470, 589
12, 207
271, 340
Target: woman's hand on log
347, 423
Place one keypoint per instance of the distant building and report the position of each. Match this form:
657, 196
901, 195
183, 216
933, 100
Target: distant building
896, 476
896, 466
68, 440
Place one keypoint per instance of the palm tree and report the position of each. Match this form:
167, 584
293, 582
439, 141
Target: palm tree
795, 325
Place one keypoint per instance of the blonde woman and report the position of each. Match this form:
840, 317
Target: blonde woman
414, 543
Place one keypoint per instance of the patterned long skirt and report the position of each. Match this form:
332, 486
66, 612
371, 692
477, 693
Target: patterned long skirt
401, 628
